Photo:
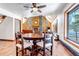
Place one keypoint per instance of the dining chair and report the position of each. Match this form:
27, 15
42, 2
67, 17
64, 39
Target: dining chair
21, 45
47, 43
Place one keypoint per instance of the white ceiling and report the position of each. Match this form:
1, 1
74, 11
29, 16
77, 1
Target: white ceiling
18, 10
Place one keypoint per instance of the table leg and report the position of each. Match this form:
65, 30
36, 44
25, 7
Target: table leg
34, 48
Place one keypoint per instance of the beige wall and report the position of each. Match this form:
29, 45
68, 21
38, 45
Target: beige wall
61, 26
27, 26
62, 23
46, 24
62, 31
7, 29
35, 19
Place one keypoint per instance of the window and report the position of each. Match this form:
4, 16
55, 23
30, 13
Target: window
73, 24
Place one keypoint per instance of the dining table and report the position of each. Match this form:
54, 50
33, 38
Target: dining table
34, 37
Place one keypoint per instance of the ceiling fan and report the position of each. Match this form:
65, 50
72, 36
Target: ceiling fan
35, 7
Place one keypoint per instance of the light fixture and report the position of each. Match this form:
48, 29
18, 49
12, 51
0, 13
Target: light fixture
2, 18
24, 20
35, 9
0, 21
35, 22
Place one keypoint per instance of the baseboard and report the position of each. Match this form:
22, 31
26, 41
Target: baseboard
6, 40
75, 53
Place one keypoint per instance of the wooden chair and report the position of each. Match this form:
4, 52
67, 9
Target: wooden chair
21, 45
27, 31
47, 44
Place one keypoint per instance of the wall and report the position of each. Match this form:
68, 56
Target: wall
73, 47
62, 22
61, 26
44, 24
29, 23
17, 25
35, 19
6, 29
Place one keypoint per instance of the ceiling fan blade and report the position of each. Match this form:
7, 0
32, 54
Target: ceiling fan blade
42, 6
39, 11
34, 4
26, 6
31, 11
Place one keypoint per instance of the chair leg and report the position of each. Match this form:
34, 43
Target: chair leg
44, 52
25, 51
22, 52
16, 51
51, 50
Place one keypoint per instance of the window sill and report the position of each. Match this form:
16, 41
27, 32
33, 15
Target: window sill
72, 43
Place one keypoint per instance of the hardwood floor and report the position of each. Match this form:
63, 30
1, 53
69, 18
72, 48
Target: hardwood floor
60, 50
7, 48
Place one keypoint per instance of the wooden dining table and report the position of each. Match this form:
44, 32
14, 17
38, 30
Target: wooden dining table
34, 37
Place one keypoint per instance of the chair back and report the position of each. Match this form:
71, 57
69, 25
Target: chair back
48, 38
18, 38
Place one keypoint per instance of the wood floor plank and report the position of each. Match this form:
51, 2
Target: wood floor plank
60, 50
7, 48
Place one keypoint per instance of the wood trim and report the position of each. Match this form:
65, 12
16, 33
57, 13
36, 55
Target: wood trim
64, 24
65, 29
73, 43
70, 7
6, 40
20, 25
65, 18
54, 18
